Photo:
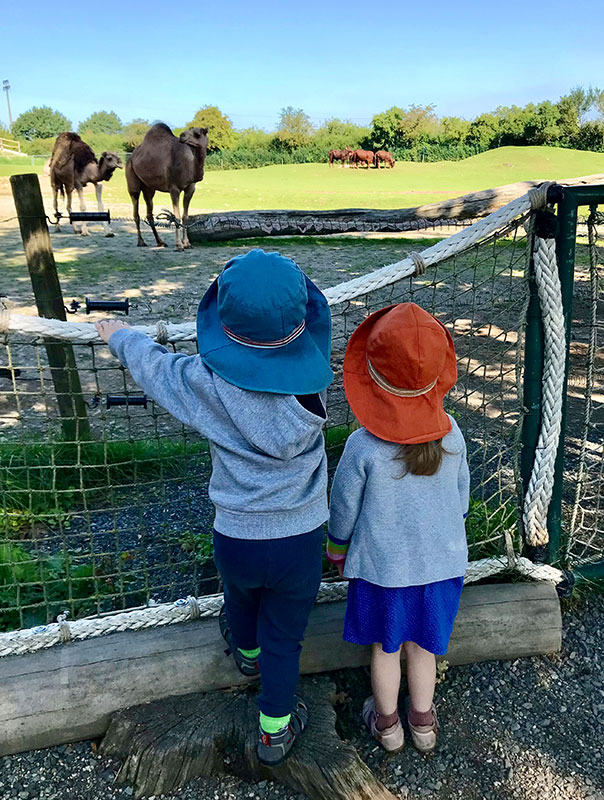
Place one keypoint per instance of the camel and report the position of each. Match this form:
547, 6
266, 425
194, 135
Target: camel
72, 166
165, 163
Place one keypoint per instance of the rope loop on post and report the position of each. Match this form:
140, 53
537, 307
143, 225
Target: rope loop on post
162, 335
418, 263
64, 629
538, 195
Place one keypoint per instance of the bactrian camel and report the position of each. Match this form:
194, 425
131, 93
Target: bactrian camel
165, 163
72, 166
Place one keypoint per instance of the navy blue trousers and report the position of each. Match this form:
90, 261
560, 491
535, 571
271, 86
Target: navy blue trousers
269, 590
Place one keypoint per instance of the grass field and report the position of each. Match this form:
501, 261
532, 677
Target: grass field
315, 186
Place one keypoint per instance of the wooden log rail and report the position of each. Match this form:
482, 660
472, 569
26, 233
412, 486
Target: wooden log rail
223, 226
69, 692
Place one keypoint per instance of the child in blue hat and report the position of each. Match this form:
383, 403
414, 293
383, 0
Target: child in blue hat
257, 392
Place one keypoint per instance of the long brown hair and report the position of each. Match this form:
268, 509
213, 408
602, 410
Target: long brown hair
421, 459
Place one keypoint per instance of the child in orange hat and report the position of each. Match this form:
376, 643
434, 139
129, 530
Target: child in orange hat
398, 503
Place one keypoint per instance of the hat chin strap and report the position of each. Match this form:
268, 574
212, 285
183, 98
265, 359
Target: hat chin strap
265, 345
376, 377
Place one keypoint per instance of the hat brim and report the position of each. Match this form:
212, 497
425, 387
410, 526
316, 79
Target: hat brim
300, 367
404, 420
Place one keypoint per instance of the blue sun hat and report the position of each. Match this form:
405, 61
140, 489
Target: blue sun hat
264, 326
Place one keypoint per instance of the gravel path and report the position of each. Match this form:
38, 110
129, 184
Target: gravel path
529, 729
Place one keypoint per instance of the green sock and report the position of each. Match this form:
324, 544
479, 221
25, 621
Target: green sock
273, 724
249, 654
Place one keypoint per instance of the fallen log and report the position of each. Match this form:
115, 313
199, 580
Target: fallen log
165, 744
222, 226
69, 692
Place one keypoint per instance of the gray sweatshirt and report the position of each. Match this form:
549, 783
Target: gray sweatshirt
269, 467
396, 531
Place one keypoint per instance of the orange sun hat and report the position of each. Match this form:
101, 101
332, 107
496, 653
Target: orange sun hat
399, 365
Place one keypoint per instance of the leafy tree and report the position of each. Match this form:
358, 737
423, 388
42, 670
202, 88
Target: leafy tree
599, 101
4, 131
254, 139
484, 131
294, 129
101, 122
568, 120
221, 135
543, 124
40, 122
385, 127
582, 100
134, 133
591, 136
455, 129
336, 134
418, 124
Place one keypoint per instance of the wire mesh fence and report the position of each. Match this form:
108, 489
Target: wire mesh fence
124, 519
583, 498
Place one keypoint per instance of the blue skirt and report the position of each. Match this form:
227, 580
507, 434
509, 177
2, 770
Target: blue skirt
391, 616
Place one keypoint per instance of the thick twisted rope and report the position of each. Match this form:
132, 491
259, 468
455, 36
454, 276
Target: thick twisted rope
539, 492
30, 640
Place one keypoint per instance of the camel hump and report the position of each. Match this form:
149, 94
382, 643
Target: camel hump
159, 131
69, 146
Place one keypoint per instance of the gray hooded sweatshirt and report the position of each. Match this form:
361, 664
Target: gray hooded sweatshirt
269, 467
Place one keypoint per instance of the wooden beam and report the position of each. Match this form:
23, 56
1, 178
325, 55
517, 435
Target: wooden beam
69, 692
249, 224
49, 300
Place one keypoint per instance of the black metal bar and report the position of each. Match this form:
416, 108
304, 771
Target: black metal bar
126, 400
89, 216
107, 305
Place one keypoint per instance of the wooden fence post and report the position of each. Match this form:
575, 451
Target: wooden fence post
49, 300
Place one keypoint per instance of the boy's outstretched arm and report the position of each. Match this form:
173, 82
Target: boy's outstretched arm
174, 380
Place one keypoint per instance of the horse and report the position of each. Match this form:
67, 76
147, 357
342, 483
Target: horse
339, 155
386, 157
362, 156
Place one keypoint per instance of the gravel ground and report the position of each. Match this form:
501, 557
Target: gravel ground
528, 729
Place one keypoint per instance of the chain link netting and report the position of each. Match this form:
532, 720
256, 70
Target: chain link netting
124, 519
583, 495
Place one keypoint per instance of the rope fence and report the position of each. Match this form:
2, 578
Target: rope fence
113, 532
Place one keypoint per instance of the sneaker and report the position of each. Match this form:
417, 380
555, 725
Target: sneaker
424, 736
392, 739
273, 748
246, 666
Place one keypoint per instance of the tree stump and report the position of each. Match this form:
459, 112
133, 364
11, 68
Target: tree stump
167, 743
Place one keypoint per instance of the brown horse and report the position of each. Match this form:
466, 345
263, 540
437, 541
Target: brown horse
386, 157
339, 155
361, 157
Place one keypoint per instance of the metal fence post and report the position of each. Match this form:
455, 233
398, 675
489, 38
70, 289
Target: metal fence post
565, 252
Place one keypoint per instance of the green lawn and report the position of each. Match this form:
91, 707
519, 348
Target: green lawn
315, 186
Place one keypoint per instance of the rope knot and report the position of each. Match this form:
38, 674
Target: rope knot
193, 606
64, 629
4, 316
538, 195
418, 263
161, 334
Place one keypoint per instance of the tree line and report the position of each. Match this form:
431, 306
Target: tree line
413, 134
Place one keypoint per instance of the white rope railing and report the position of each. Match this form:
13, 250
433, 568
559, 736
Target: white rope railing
86, 333
541, 483
29, 640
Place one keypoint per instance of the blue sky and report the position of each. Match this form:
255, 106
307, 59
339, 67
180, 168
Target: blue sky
161, 60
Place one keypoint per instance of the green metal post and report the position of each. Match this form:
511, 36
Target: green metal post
565, 252
533, 374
